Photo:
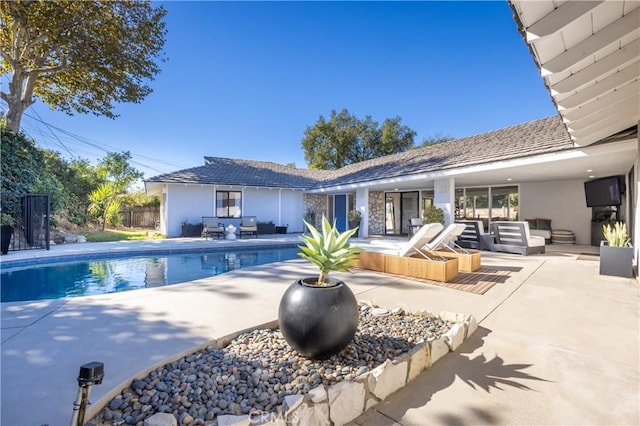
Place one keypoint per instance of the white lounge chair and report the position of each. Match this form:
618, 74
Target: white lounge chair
443, 241
425, 234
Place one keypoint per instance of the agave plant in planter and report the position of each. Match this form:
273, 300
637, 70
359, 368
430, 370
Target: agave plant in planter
318, 316
616, 253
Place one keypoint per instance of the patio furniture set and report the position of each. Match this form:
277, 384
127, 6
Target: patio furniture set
229, 228
439, 254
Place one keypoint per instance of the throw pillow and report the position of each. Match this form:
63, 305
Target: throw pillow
533, 223
544, 224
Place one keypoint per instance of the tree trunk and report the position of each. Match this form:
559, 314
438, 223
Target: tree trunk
12, 117
19, 98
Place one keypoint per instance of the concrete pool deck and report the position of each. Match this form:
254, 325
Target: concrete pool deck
557, 343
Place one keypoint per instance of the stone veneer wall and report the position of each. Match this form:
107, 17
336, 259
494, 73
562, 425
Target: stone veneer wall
315, 203
376, 212
343, 402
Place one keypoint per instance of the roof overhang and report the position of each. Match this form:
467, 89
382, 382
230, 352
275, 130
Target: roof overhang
588, 53
583, 163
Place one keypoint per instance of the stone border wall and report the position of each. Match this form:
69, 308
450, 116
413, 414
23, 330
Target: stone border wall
343, 402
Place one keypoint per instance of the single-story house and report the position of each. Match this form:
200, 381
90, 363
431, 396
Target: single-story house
588, 56
531, 170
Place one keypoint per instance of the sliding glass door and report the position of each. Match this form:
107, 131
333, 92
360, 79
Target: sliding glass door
400, 208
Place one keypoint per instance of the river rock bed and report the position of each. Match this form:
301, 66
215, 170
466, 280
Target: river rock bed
258, 369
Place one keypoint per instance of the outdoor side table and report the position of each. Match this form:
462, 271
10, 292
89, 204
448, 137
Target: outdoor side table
230, 233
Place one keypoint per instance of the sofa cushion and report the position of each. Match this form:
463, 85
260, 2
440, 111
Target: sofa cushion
540, 233
533, 223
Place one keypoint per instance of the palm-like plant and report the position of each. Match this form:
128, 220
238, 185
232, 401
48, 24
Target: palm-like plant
616, 235
329, 250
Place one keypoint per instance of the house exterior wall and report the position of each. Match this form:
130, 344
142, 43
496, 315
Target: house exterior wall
561, 201
187, 203
261, 203
316, 203
376, 212
292, 210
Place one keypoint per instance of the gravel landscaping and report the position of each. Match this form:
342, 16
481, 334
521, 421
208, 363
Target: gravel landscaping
257, 370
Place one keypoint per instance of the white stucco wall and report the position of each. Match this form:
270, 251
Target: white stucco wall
292, 210
561, 201
443, 197
189, 203
261, 203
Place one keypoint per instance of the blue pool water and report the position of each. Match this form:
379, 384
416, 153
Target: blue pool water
108, 275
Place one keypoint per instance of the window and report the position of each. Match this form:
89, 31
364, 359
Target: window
228, 203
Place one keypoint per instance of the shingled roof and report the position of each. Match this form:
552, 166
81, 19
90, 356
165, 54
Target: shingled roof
229, 171
537, 137
533, 138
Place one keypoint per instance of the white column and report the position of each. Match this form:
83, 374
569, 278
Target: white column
362, 205
280, 207
444, 196
633, 203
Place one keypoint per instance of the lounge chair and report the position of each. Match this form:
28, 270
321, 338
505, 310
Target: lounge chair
425, 234
514, 237
443, 241
249, 225
211, 227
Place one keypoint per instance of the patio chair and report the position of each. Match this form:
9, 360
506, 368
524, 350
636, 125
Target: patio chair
249, 225
514, 237
473, 236
211, 227
425, 234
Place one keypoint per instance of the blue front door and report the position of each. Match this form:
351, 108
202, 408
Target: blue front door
340, 212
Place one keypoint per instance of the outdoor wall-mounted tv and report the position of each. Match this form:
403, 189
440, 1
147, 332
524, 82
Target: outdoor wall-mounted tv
604, 191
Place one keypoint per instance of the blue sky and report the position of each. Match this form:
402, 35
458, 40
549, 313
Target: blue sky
244, 80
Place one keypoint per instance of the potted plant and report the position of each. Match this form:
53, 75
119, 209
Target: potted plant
6, 231
355, 217
433, 214
616, 253
318, 316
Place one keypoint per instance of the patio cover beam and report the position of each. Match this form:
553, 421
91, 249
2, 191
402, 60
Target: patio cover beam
559, 18
610, 34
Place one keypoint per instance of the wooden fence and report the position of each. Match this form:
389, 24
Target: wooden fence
141, 217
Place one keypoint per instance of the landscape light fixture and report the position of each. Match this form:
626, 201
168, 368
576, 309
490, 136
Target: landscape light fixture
91, 374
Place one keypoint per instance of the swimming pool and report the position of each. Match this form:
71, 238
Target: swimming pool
113, 274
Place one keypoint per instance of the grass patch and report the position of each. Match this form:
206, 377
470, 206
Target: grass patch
98, 236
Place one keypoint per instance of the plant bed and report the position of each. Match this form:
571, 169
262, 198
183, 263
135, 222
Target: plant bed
191, 230
266, 228
258, 376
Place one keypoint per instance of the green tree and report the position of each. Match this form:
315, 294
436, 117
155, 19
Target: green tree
78, 56
103, 202
434, 139
79, 179
345, 139
119, 176
24, 171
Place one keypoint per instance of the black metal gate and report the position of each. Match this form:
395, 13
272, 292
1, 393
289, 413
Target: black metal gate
31, 230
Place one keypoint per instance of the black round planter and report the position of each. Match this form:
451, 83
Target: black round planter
6, 231
318, 321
